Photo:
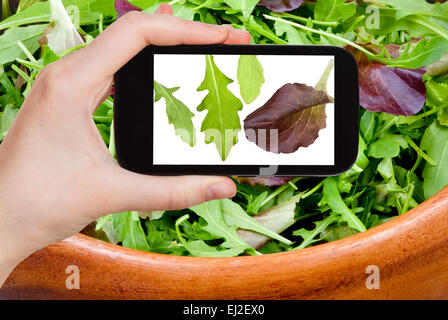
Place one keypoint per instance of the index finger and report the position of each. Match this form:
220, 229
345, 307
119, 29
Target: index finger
123, 39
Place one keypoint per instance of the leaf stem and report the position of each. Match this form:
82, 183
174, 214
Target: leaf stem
202, 5
329, 220
6, 11
26, 51
355, 23
433, 27
177, 224
279, 190
100, 24
308, 193
420, 151
63, 53
109, 102
112, 140
408, 199
411, 119
30, 65
386, 127
327, 34
414, 167
21, 73
304, 20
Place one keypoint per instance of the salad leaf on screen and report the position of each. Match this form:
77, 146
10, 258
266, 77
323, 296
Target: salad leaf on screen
222, 123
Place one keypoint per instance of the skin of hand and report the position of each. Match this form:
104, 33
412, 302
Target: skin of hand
56, 173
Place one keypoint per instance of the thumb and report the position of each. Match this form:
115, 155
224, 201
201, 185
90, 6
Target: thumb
133, 191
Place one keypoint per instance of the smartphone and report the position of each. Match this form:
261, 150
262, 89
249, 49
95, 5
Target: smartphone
246, 110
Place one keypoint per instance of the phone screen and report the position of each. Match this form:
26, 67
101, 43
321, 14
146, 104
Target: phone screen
270, 107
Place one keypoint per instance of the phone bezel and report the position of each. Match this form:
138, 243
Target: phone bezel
134, 99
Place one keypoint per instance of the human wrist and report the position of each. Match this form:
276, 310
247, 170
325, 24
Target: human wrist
16, 241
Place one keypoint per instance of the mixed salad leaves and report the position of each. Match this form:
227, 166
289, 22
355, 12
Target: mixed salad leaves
401, 49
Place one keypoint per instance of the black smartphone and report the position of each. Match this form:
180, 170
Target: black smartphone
246, 110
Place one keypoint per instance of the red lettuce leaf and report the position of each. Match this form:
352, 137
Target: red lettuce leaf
296, 110
264, 181
281, 5
123, 6
386, 89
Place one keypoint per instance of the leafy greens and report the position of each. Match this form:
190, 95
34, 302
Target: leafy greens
402, 158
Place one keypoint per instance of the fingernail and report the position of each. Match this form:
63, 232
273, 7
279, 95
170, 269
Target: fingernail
219, 191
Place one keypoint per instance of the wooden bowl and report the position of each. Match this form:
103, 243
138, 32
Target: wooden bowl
411, 252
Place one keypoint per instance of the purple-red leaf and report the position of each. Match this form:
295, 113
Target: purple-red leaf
264, 181
385, 89
123, 6
296, 110
281, 5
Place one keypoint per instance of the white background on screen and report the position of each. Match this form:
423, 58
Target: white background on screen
187, 72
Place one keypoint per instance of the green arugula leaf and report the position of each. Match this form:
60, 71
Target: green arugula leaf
388, 23
130, 232
276, 219
7, 118
418, 14
178, 113
48, 56
199, 248
309, 236
424, 53
212, 213
255, 204
250, 77
334, 10
234, 215
419, 7
160, 239
222, 123
368, 125
185, 11
106, 225
334, 200
274, 247
336, 232
40, 12
245, 6
436, 93
387, 146
435, 144
257, 25
37, 12
293, 35
9, 49
12, 94
386, 169
104, 7
345, 180
24, 4
402, 175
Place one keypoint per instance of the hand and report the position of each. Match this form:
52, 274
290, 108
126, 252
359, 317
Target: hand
56, 173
